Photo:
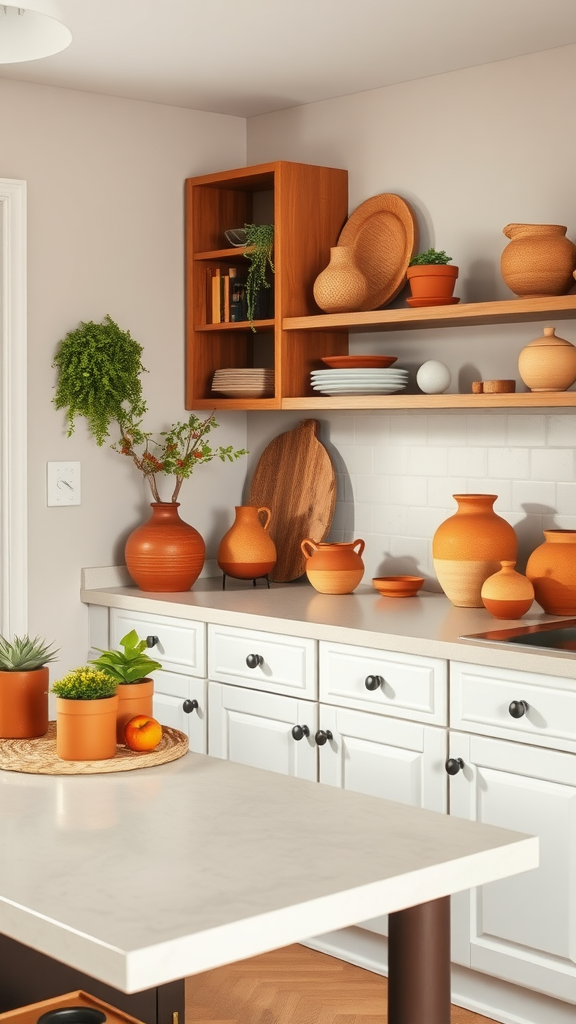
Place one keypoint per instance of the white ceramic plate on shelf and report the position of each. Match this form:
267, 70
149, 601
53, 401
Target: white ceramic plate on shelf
358, 389
338, 375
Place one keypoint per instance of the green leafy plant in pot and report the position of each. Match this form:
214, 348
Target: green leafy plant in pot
86, 709
131, 668
24, 680
431, 279
260, 243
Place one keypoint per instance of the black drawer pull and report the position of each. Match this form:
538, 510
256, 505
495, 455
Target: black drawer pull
300, 731
189, 706
373, 682
322, 735
454, 765
151, 641
518, 708
254, 660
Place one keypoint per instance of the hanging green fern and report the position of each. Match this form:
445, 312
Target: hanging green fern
260, 239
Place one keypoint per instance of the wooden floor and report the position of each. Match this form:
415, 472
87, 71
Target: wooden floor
294, 985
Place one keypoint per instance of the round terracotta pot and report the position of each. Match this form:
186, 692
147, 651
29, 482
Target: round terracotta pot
548, 363
469, 547
507, 594
165, 555
334, 568
86, 729
552, 570
341, 287
133, 699
24, 704
432, 281
538, 260
247, 551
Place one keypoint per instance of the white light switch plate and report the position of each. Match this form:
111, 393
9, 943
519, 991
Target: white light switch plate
63, 483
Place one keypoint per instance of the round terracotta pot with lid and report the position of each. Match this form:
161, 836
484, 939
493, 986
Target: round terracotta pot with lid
548, 363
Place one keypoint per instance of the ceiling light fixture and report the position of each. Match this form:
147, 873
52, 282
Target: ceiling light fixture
27, 33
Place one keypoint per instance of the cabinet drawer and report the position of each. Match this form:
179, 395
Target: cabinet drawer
409, 686
285, 665
481, 700
181, 643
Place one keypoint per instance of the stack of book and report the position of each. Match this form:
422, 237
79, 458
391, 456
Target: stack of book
226, 299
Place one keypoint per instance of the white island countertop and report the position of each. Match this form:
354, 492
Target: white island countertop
427, 624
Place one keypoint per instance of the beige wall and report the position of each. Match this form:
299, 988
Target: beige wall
105, 235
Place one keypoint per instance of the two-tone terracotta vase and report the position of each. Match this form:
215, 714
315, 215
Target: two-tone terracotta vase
165, 554
133, 699
552, 570
334, 568
538, 260
469, 547
507, 594
247, 550
341, 287
548, 363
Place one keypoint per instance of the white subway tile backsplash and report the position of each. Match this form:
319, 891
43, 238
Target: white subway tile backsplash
442, 489
391, 519
408, 490
428, 461
526, 431
536, 496
356, 457
562, 430
408, 429
552, 464
509, 463
372, 489
423, 522
372, 429
501, 488
566, 499
467, 461
393, 460
446, 430
486, 428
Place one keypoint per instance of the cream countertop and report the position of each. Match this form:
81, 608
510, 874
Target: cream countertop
424, 625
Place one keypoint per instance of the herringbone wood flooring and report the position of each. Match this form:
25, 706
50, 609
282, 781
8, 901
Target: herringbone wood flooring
294, 985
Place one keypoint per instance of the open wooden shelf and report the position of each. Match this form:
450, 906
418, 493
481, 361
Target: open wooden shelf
521, 400
237, 325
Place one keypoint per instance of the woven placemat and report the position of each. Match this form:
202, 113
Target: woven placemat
38, 756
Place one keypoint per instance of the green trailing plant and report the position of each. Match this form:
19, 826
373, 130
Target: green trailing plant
85, 684
260, 243
130, 665
431, 256
23, 654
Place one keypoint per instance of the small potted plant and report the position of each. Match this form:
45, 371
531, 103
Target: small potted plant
431, 279
260, 243
86, 709
24, 680
131, 669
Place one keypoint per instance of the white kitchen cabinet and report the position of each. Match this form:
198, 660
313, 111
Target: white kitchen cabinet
181, 702
264, 661
179, 644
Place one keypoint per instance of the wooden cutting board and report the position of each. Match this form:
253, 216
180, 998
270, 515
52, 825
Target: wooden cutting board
295, 479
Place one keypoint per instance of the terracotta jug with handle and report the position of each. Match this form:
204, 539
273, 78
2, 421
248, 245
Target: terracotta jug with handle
334, 568
247, 550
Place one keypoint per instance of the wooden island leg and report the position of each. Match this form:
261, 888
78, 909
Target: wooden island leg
419, 964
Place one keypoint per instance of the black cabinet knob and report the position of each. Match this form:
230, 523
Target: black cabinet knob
322, 735
373, 682
454, 765
300, 731
254, 660
189, 706
518, 708
151, 641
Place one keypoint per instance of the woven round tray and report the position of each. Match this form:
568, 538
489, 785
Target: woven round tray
38, 756
383, 235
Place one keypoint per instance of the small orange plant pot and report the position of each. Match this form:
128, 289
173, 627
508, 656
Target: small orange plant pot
432, 281
133, 699
23, 704
86, 729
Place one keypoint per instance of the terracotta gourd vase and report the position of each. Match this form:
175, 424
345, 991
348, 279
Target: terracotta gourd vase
24, 704
548, 363
538, 260
552, 570
86, 729
165, 554
133, 699
432, 281
469, 547
334, 568
247, 550
341, 287
507, 594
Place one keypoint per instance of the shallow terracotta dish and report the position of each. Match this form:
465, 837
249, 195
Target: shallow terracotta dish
398, 586
358, 362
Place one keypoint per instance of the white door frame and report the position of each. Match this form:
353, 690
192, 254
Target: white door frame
13, 415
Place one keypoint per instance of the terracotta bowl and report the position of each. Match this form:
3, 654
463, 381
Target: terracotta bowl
398, 586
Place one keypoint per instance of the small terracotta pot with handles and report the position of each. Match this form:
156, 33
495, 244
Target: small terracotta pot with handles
334, 568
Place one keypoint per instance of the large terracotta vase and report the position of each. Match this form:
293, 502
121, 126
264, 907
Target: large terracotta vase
548, 363
468, 547
341, 287
133, 699
247, 551
538, 260
23, 704
86, 729
552, 571
334, 568
507, 594
165, 554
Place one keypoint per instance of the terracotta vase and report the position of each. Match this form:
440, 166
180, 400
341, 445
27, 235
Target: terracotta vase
552, 570
86, 729
538, 260
165, 554
341, 287
507, 594
432, 281
133, 699
24, 704
334, 568
469, 547
247, 551
548, 363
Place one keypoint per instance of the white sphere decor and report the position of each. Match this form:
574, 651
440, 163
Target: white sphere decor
433, 377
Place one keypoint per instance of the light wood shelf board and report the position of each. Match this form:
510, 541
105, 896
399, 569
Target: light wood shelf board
236, 403
235, 253
236, 325
523, 400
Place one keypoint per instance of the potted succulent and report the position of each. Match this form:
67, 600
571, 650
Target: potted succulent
431, 279
86, 708
99, 370
131, 669
260, 243
24, 680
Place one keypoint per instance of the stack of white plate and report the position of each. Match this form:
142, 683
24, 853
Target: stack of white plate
359, 381
240, 382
